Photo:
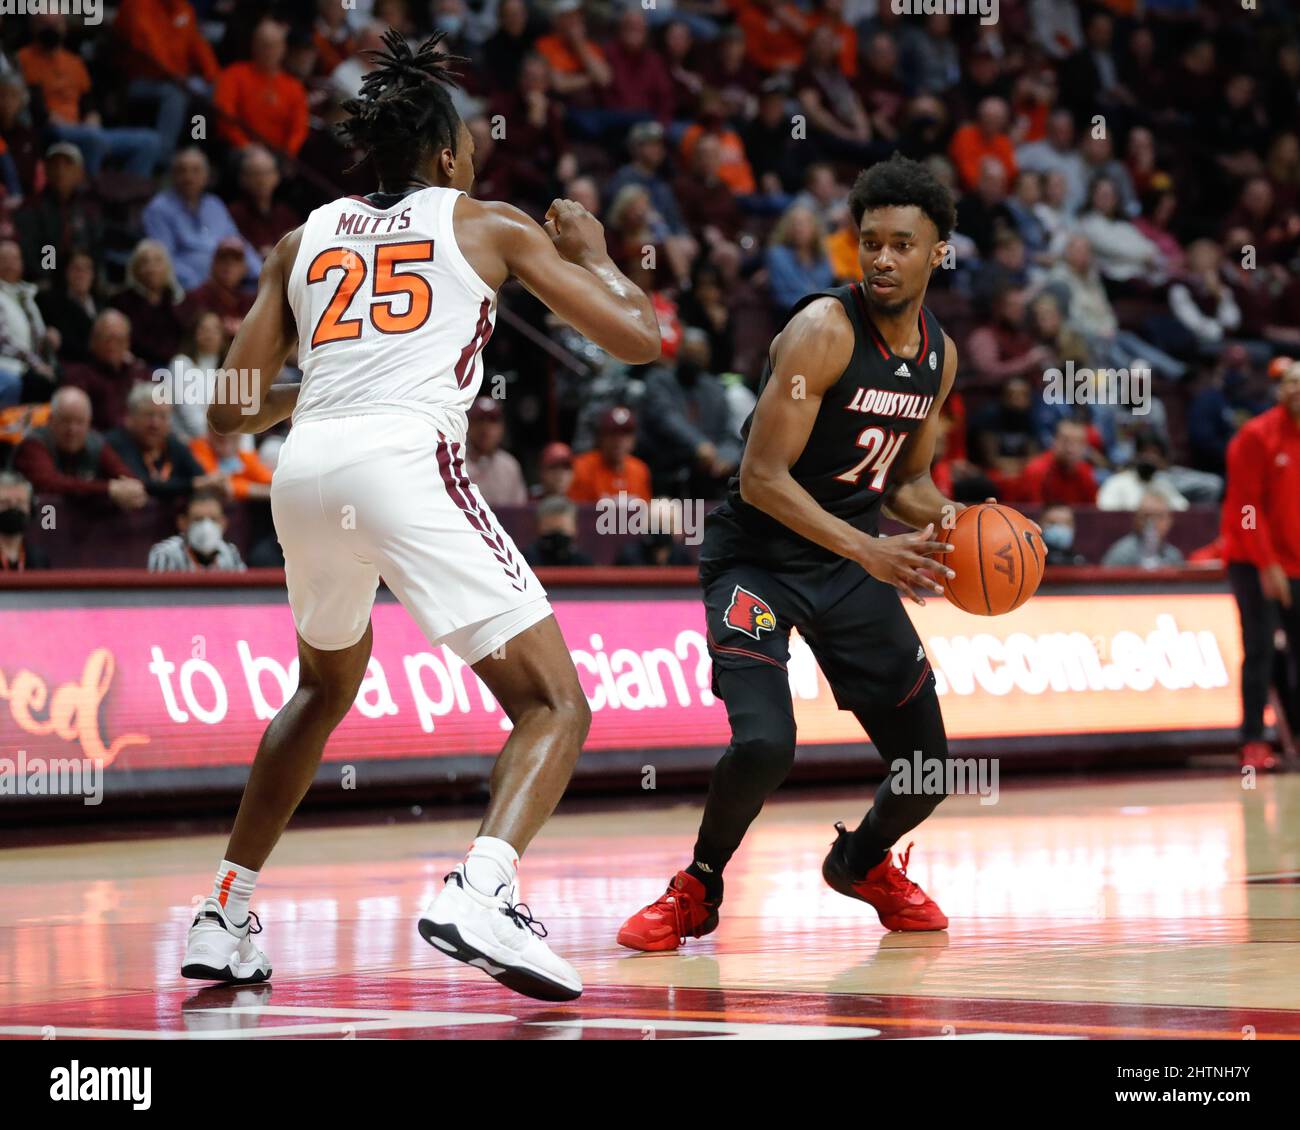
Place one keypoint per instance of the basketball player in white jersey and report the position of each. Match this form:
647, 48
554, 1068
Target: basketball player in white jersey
391, 299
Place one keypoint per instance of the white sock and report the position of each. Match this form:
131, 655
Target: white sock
490, 864
233, 887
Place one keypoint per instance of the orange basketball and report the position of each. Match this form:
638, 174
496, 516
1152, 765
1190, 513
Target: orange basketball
998, 557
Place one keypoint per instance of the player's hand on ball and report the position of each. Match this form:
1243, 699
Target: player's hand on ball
904, 562
576, 233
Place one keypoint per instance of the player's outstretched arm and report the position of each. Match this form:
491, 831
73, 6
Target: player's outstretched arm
910, 495
259, 351
808, 357
567, 267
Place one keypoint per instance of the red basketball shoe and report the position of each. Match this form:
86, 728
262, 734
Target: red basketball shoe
901, 904
1258, 755
681, 912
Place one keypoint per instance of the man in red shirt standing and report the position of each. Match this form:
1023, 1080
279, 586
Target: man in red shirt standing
1261, 542
1062, 475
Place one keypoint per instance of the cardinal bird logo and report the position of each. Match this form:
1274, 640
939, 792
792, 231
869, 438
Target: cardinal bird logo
749, 613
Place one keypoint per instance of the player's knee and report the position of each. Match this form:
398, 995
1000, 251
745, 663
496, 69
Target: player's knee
765, 756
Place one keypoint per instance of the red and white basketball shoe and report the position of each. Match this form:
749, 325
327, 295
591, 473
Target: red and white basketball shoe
899, 902
681, 912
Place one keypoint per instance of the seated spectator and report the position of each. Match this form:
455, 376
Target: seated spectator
201, 545
108, 374
987, 136
734, 75
632, 227
1062, 474
775, 32
151, 453
1002, 348
152, 301
1122, 253
167, 58
347, 77
60, 218
579, 72
539, 142
1002, 433
262, 220
1047, 327
237, 471
707, 203
190, 222
202, 351
555, 471
705, 305
28, 367
67, 457
557, 533
21, 141
796, 258
65, 84
1146, 547
984, 212
1124, 490
71, 305
691, 442
732, 166
610, 469
1202, 301
1057, 523
646, 145
638, 75
222, 293
1056, 153
774, 155
839, 126
664, 546
257, 100
490, 467
15, 514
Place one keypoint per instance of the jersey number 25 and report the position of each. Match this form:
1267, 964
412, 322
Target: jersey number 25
386, 286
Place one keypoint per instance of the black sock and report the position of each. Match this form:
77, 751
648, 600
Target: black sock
863, 850
711, 880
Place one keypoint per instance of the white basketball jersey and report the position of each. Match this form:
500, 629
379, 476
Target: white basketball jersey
391, 316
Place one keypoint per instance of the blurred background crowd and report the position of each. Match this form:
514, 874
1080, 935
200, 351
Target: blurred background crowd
1128, 183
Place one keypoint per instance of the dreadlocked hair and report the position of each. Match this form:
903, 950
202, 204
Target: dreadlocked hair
404, 111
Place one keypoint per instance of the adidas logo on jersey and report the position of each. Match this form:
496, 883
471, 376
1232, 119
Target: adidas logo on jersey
902, 371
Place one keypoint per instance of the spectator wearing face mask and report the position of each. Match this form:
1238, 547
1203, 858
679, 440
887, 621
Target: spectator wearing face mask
15, 514
1146, 547
661, 547
1124, 489
691, 441
1058, 536
201, 545
557, 532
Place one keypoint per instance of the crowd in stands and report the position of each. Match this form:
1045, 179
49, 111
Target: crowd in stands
1128, 185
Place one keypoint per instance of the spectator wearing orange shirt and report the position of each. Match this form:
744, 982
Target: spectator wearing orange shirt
578, 67
258, 100
733, 165
774, 32
242, 474
610, 469
64, 85
987, 136
167, 59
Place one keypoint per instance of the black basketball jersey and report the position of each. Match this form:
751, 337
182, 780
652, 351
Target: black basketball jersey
864, 420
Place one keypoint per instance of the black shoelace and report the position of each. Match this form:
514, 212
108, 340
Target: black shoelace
522, 916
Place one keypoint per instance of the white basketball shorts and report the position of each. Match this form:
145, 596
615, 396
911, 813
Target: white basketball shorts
358, 497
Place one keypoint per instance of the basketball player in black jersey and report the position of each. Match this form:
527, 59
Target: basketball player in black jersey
844, 428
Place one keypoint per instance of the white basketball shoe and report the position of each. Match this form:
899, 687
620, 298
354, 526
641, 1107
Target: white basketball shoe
499, 935
218, 950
